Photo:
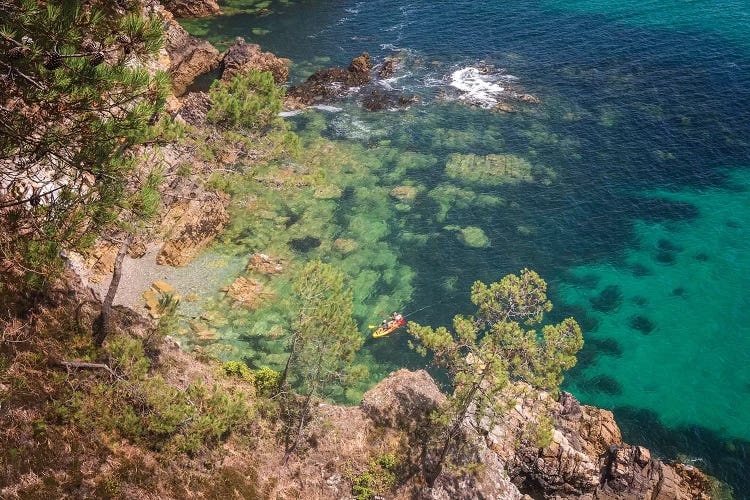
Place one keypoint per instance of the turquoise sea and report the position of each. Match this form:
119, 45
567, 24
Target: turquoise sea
637, 211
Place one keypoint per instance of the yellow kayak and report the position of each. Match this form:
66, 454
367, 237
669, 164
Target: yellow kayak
382, 332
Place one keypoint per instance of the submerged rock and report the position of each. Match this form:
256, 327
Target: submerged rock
494, 169
345, 246
247, 291
263, 264
328, 192
404, 193
474, 237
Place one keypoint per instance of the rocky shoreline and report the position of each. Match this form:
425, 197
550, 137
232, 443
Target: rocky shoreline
587, 457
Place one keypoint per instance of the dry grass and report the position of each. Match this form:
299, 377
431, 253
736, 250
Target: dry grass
59, 440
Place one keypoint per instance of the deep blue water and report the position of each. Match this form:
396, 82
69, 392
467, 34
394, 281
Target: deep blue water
642, 232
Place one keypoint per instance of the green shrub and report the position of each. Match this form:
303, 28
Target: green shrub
363, 486
267, 381
238, 369
379, 477
251, 101
148, 410
127, 356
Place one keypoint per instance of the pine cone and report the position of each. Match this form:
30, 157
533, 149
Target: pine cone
96, 58
89, 45
16, 53
52, 61
123, 39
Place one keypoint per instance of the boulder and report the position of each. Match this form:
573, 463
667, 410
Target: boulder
403, 400
242, 57
334, 82
388, 68
263, 264
379, 100
151, 303
189, 226
189, 57
192, 8
162, 287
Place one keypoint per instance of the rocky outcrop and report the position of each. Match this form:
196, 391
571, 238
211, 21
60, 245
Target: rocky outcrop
379, 100
403, 399
330, 83
194, 108
189, 57
189, 225
586, 457
192, 8
242, 57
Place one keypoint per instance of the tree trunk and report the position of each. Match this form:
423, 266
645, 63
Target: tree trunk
433, 470
103, 323
292, 352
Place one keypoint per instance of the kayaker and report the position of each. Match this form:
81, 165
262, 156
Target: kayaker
393, 321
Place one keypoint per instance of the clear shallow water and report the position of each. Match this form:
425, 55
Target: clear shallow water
642, 231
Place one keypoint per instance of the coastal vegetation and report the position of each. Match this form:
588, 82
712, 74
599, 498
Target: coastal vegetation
98, 401
78, 103
485, 353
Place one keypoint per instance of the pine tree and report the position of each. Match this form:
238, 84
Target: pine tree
74, 99
325, 340
484, 353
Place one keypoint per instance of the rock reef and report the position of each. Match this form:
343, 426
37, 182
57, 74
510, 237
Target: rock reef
329, 83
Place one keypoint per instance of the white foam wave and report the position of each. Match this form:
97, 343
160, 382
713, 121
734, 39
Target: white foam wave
355, 9
326, 107
389, 46
391, 83
479, 85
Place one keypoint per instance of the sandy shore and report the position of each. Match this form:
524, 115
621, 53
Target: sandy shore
202, 277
